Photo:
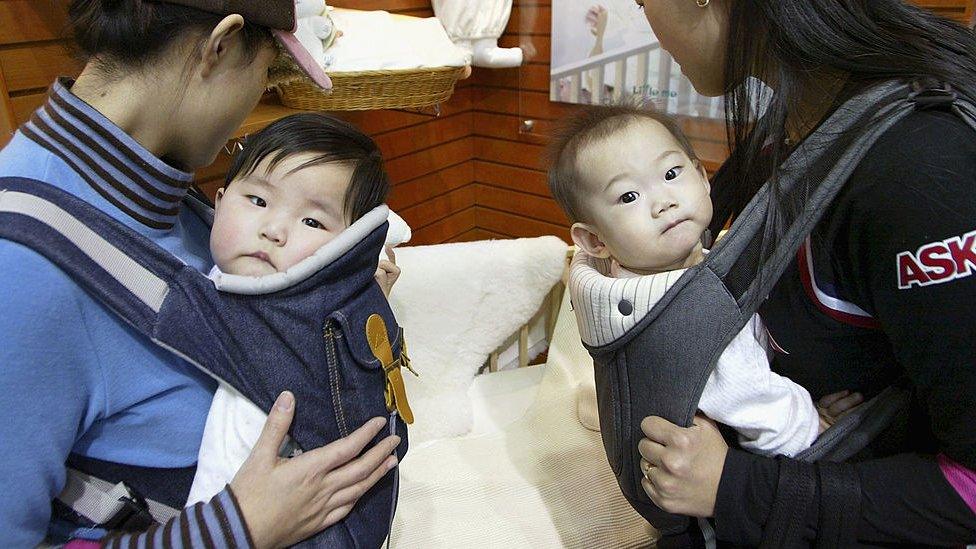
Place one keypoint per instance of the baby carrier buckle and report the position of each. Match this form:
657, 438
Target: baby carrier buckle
395, 392
933, 95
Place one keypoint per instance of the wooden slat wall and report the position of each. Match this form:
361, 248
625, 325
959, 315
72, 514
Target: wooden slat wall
512, 198
467, 174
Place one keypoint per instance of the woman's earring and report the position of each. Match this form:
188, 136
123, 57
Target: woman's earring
702, 3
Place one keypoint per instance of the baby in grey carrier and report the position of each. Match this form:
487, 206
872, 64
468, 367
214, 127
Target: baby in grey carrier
654, 357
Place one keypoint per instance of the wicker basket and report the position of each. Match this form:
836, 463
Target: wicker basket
367, 90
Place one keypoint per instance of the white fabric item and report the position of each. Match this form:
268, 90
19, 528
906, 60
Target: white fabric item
234, 423
312, 29
772, 414
476, 26
473, 19
457, 303
541, 481
378, 40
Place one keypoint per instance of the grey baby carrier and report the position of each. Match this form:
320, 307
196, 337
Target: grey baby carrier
659, 366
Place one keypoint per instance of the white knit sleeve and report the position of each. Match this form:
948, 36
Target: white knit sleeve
772, 414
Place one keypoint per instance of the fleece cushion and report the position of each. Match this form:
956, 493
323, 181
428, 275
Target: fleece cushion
457, 303
543, 480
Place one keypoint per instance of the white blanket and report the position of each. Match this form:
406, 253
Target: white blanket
378, 40
457, 303
542, 481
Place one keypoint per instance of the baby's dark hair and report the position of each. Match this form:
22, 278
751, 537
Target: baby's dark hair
589, 124
331, 140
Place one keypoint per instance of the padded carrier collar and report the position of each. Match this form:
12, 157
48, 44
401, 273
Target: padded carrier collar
305, 332
657, 363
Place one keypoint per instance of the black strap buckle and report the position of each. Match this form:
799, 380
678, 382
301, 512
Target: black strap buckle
932, 97
134, 514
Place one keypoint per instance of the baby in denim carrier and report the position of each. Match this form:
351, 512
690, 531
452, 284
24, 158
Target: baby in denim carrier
292, 191
638, 198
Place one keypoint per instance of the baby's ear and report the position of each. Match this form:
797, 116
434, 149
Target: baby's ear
704, 175
218, 196
588, 241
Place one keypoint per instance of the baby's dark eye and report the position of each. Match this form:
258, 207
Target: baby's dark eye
673, 173
257, 201
308, 221
628, 197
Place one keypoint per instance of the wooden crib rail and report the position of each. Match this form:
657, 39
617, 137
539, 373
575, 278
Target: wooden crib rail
550, 308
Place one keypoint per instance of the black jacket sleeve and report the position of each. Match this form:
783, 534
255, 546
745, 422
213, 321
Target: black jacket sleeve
904, 237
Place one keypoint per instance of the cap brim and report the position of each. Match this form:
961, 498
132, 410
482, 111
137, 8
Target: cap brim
303, 59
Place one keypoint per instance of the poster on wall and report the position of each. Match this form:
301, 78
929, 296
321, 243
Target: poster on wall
604, 52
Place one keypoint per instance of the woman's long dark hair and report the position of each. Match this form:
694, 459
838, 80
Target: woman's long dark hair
791, 43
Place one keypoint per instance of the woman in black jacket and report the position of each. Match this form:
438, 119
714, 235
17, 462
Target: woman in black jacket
884, 289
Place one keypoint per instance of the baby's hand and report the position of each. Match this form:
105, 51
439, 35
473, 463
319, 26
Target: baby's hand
596, 20
387, 272
833, 407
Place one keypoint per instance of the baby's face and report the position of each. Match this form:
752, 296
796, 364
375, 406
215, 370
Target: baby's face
647, 203
268, 221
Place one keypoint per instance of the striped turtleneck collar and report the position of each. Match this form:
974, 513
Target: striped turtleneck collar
121, 170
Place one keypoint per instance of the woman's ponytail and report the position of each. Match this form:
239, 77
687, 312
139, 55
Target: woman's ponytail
127, 34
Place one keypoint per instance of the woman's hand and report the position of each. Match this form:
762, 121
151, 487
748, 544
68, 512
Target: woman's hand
835, 406
682, 467
387, 272
284, 500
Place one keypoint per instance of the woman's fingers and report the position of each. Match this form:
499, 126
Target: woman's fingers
651, 451
275, 428
351, 493
337, 453
826, 401
845, 404
664, 432
390, 253
365, 465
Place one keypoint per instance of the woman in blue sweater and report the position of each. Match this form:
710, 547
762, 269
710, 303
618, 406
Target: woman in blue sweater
165, 86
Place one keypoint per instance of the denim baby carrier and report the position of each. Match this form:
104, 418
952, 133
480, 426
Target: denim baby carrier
330, 337
657, 364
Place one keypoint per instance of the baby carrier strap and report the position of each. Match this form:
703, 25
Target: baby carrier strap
661, 365
48, 221
64, 230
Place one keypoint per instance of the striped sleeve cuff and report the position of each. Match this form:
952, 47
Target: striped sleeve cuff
216, 524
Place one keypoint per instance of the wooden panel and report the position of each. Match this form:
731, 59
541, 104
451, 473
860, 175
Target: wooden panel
518, 226
509, 127
31, 67
24, 105
510, 153
440, 207
430, 160
7, 122
478, 234
511, 177
527, 205
527, 77
415, 191
31, 20
957, 10
398, 143
445, 229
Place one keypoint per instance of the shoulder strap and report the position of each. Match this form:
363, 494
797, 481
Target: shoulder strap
94, 250
49, 221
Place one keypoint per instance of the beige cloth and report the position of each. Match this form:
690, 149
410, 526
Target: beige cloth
543, 481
